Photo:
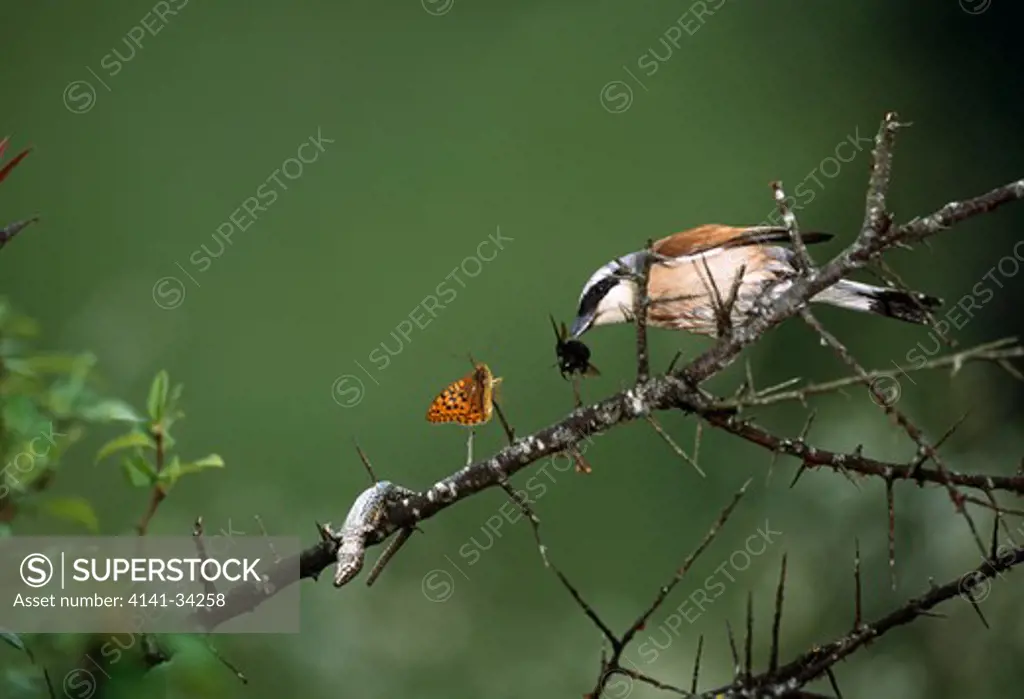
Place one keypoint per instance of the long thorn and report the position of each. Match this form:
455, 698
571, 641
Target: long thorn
732, 647
696, 665
748, 654
858, 609
892, 531
773, 663
366, 463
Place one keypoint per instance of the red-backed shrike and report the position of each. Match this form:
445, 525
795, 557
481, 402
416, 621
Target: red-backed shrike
694, 268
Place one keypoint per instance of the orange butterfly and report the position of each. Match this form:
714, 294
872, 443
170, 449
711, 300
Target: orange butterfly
468, 401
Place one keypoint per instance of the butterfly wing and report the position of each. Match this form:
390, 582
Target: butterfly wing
468, 401
483, 395
452, 403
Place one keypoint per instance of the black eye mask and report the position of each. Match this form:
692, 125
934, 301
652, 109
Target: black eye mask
590, 300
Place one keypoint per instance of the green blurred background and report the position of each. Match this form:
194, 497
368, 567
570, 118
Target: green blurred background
448, 121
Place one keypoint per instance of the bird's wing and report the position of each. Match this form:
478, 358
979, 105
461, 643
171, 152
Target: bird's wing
713, 235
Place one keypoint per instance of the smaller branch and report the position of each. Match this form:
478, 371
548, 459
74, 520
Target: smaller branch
641, 303
957, 211
209, 587
227, 663
804, 263
989, 352
270, 544
663, 593
589, 611
158, 494
648, 680
532, 517
675, 447
722, 308
913, 431
876, 215
606, 670
836, 651
510, 433
820, 660
612, 665
923, 457
856, 462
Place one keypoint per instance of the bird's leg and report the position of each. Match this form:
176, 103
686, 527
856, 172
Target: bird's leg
469, 447
576, 392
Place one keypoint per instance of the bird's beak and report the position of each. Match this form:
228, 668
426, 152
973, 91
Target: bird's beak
581, 324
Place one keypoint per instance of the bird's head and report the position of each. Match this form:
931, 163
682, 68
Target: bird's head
608, 296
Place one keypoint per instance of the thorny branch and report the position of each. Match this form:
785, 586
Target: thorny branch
989, 352
393, 508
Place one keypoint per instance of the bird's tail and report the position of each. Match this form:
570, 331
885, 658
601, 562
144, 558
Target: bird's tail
893, 303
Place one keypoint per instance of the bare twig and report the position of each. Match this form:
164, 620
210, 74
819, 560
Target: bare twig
675, 447
913, 431
804, 263
821, 659
989, 352
641, 303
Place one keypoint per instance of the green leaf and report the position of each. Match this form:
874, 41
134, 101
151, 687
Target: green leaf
132, 440
175, 395
52, 363
15, 365
110, 410
177, 469
68, 391
210, 461
13, 639
22, 415
10, 348
157, 401
74, 509
171, 472
140, 473
13, 323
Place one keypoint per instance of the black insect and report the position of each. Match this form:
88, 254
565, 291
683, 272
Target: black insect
573, 355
